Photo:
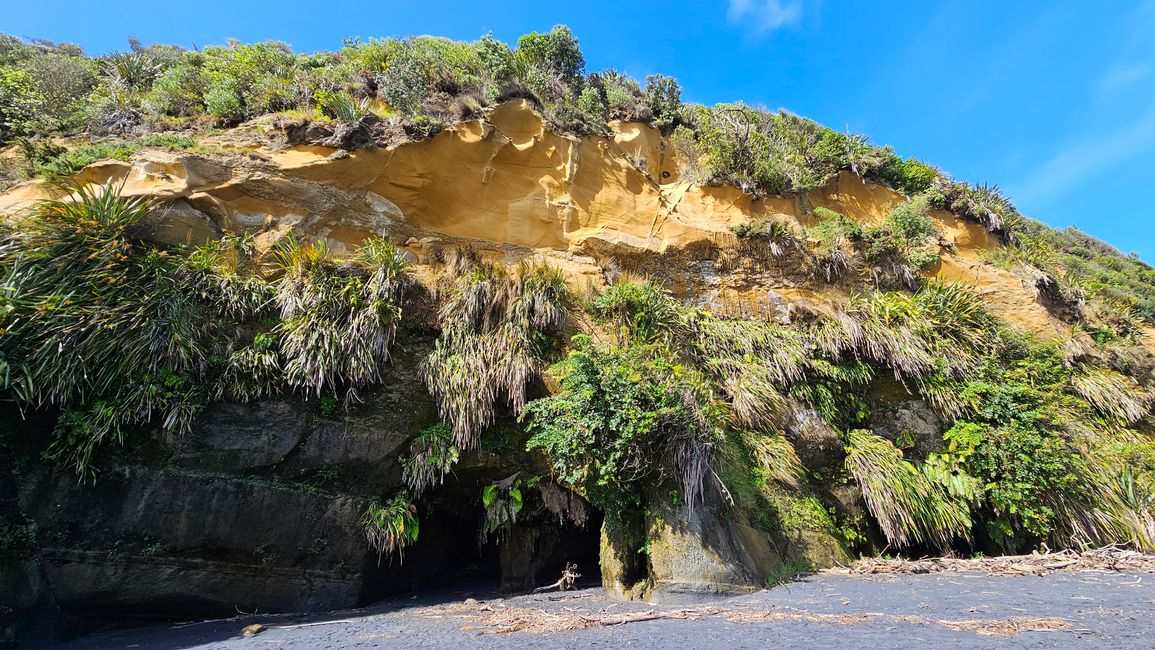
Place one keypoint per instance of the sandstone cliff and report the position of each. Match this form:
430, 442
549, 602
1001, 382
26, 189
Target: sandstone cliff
259, 506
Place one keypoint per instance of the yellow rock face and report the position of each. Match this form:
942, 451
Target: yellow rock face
514, 190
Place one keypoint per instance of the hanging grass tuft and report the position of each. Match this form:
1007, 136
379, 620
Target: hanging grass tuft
910, 508
391, 527
338, 318
495, 324
1116, 396
431, 457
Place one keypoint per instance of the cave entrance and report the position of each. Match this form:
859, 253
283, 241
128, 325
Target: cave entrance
452, 554
535, 554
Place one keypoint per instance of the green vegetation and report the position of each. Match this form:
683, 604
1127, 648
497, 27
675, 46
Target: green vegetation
503, 502
118, 334
789, 571
432, 456
426, 81
391, 527
58, 163
625, 418
112, 334
1042, 438
337, 319
495, 330
765, 153
837, 248
18, 104
909, 506
893, 252
1034, 454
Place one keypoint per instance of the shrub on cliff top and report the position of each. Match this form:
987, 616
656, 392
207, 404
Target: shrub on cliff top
244, 80
19, 103
554, 63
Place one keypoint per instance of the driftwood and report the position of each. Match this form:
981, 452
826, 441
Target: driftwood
565, 583
521, 619
1108, 558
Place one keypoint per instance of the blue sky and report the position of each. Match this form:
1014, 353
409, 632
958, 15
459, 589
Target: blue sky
1054, 101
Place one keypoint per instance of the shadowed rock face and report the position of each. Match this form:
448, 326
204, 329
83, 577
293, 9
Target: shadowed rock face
144, 541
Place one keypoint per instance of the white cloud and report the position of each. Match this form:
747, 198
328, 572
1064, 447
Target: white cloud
1088, 155
1123, 130
765, 15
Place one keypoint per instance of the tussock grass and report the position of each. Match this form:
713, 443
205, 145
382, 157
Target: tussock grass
119, 334
1112, 394
101, 324
338, 319
494, 328
909, 507
431, 457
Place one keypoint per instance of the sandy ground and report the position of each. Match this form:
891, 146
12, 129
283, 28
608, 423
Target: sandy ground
1087, 609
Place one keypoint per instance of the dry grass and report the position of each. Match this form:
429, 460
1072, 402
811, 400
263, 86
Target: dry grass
1108, 558
498, 618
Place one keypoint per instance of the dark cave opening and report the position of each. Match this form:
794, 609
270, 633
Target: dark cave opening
451, 554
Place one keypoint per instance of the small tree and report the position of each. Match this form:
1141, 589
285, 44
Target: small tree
19, 103
665, 99
555, 61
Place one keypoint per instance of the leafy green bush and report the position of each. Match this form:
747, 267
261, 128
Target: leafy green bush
19, 103
118, 330
766, 153
909, 176
247, 80
167, 141
896, 249
503, 502
903, 237
179, 91
1106, 273
554, 64
623, 96
1017, 441
645, 312
625, 417
64, 82
497, 63
664, 97
223, 101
